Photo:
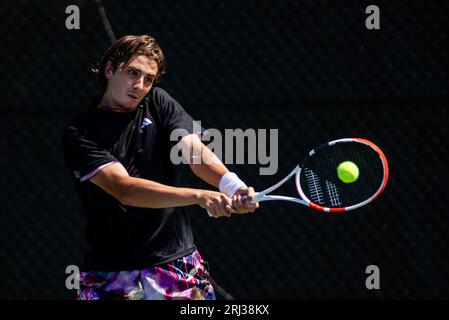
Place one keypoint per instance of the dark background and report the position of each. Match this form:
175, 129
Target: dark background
308, 68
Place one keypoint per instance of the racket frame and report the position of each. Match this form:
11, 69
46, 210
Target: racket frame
265, 196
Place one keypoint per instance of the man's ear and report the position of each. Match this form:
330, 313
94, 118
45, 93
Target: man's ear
108, 71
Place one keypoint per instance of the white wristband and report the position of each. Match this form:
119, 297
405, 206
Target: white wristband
230, 183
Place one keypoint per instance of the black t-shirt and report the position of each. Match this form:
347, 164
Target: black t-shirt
124, 237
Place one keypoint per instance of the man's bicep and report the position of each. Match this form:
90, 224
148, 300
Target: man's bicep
111, 179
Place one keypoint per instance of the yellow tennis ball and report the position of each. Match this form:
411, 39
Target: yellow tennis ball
348, 172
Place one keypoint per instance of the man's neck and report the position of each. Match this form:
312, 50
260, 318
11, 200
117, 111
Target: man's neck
107, 103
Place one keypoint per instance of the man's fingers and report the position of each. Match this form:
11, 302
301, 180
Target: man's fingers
218, 209
229, 204
250, 195
229, 210
237, 202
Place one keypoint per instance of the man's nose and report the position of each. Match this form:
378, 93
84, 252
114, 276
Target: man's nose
138, 84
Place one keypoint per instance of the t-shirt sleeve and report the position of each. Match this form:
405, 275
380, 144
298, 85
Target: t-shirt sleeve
82, 155
174, 119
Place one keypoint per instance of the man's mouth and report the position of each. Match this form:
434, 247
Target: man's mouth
132, 95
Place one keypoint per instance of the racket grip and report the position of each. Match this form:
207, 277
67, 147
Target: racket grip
254, 200
243, 198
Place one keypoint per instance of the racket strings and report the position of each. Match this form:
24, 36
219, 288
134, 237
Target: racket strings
313, 182
334, 196
320, 183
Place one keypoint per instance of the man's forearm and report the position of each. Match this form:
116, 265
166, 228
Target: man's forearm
137, 192
210, 169
149, 194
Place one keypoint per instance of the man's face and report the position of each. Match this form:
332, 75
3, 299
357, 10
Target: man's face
128, 85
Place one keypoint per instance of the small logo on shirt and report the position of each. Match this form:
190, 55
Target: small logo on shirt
146, 122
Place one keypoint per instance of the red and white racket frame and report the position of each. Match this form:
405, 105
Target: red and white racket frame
264, 196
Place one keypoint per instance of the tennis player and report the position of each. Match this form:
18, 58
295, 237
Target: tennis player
118, 152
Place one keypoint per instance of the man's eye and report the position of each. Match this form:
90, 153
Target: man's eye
149, 80
132, 72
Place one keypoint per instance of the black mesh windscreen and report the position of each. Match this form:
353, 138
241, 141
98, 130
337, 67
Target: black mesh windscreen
309, 69
321, 184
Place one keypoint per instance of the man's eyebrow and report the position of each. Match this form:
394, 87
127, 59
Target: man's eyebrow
140, 71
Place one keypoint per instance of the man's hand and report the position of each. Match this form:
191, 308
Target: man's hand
243, 204
218, 204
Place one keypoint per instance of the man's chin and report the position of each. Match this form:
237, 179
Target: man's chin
129, 105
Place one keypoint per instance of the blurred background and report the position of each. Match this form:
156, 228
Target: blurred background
310, 69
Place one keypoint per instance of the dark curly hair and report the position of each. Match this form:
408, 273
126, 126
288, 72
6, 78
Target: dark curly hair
125, 49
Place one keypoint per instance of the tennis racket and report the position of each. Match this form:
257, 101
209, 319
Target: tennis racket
319, 186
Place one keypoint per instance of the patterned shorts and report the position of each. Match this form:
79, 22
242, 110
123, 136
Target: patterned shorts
185, 278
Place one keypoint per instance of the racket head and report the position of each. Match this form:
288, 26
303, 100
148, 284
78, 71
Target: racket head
318, 183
